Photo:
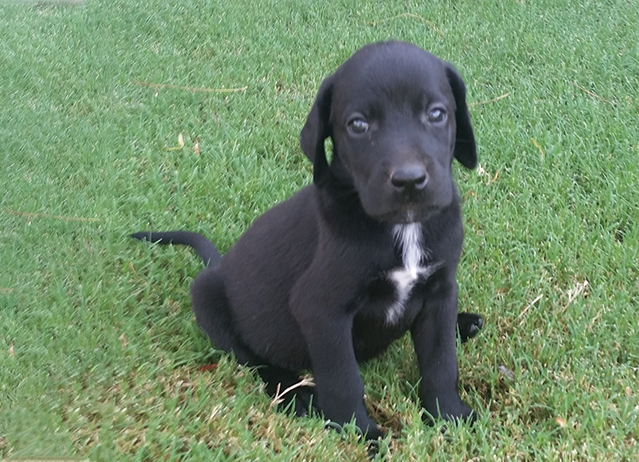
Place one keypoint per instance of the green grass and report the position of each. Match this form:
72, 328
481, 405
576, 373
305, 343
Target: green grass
99, 352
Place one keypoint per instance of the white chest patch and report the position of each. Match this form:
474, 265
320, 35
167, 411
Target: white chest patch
408, 239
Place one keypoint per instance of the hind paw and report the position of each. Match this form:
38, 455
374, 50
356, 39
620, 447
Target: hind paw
468, 325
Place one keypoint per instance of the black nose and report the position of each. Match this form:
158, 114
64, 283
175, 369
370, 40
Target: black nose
412, 177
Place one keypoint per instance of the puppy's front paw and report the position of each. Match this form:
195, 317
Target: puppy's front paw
374, 433
468, 325
370, 431
456, 411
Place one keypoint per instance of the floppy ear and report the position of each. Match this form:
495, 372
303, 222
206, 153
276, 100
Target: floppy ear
465, 148
317, 129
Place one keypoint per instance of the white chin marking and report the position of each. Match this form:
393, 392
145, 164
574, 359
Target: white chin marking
408, 239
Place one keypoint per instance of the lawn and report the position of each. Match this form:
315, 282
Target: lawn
117, 116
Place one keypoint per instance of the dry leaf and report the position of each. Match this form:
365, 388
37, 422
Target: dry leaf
180, 144
577, 290
491, 178
560, 421
207, 368
506, 372
123, 341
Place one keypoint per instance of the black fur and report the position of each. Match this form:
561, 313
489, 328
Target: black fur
307, 286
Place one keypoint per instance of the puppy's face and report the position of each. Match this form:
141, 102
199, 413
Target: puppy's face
393, 118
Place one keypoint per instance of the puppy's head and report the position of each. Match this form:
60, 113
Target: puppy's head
397, 117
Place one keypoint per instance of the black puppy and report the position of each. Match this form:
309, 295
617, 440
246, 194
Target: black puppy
367, 252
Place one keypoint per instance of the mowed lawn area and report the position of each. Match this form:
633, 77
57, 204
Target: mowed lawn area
118, 116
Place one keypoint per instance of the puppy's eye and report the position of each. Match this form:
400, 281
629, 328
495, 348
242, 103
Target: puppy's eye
357, 126
437, 115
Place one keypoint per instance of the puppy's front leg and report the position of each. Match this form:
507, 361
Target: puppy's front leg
327, 329
434, 337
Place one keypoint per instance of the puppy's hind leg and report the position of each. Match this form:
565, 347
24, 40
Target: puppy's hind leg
214, 317
468, 325
212, 312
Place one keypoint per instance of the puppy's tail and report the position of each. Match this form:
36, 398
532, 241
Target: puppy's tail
204, 248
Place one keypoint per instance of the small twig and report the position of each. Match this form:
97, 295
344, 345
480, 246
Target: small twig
525, 310
179, 146
192, 89
574, 293
278, 398
538, 146
480, 103
410, 15
493, 179
595, 95
46, 215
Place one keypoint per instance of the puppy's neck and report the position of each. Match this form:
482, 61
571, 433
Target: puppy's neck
408, 239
